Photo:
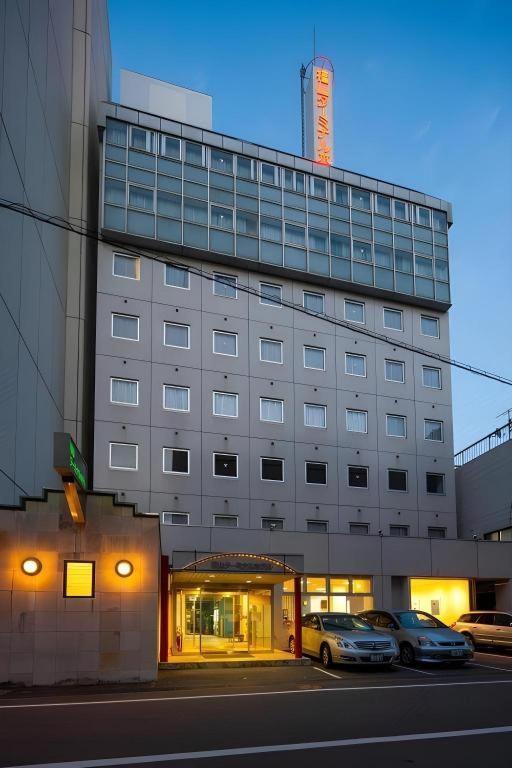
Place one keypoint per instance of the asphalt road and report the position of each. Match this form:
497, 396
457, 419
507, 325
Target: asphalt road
229, 718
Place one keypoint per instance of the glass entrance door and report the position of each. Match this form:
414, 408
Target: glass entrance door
212, 622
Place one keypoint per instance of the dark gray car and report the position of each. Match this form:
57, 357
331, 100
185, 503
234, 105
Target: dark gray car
490, 628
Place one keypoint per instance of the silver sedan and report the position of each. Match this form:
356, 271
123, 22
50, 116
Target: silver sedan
341, 638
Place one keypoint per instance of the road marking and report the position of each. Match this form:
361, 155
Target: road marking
243, 751
181, 699
488, 666
331, 674
496, 655
413, 669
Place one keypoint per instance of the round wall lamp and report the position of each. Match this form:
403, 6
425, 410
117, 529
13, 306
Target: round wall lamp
31, 566
124, 568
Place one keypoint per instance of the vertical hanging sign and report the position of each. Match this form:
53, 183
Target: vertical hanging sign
319, 113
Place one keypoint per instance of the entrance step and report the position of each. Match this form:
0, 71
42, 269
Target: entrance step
207, 662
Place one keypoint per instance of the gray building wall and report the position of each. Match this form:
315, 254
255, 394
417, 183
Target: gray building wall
202, 495
484, 492
54, 67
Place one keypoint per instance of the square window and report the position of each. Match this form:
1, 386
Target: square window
362, 251
271, 351
221, 161
361, 199
398, 530
314, 357
397, 480
79, 578
140, 197
124, 391
431, 377
314, 302
271, 410
357, 421
141, 139
359, 529
225, 285
175, 518
354, 311
440, 221
225, 465
123, 456
269, 174
177, 277
355, 365
221, 217
317, 526
194, 153
195, 211
225, 521
401, 210
436, 533
315, 415
176, 398
383, 205
225, 343
272, 524
316, 473
271, 229
176, 461
271, 294
394, 371
125, 327
393, 318
396, 426
339, 193
295, 235
318, 187
358, 477
430, 326
225, 404
126, 266
170, 147
435, 483
245, 168
246, 223
177, 335
434, 430
272, 469
423, 216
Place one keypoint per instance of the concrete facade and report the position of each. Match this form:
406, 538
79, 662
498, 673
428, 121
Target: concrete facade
47, 639
54, 70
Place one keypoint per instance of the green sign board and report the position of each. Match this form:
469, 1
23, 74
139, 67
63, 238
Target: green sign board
67, 459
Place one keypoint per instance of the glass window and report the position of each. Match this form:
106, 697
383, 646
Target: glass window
194, 153
359, 529
361, 586
339, 193
246, 223
393, 318
245, 168
362, 251
271, 229
175, 518
396, 426
177, 335
140, 197
441, 270
272, 469
314, 302
339, 586
395, 371
124, 391
423, 216
126, 266
269, 174
272, 523
316, 473
315, 415
225, 404
434, 430
316, 583
195, 211
115, 192
318, 187
176, 461
225, 465
435, 483
141, 139
124, 456
225, 285
403, 261
436, 533
357, 421
271, 294
430, 326
398, 530
177, 277
431, 377
116, 132
170, 147
314, 357
168, 204
295, 235
225, 343
271, 351
355, 365
424, 266
176, 398
397, 480
225, 521
440, 221
354, 311
361, 199
340, 246
383, 256
401, 210
317, 526
358, 477
125, 327
271, 410
383, 205
318, 240
221, 217
221, 161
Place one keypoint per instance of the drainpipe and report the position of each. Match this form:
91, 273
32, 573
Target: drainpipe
164, 608
298, 617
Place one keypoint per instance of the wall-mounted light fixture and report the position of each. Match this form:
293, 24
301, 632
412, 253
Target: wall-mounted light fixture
31, 566
124, 568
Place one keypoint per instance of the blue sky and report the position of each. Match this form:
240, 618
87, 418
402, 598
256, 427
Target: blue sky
423, 98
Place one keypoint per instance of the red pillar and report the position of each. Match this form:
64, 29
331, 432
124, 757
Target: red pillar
298, 618
164, 608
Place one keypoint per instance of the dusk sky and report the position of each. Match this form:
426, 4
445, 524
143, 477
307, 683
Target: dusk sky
423, 98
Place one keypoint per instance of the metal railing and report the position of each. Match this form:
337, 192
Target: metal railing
485, 444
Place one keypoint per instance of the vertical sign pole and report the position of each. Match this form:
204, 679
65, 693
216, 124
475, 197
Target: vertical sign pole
164, 608
298, 618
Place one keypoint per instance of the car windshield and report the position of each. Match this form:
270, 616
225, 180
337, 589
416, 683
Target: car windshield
418, 620
336, 621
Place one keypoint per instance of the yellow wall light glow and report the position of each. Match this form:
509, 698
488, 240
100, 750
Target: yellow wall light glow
124, 568
445, 598
31, 566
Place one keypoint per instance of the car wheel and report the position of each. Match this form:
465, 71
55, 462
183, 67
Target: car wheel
469, 640
291, 644
406, 654
325, 656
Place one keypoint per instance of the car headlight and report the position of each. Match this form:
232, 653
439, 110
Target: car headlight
426, 641
343, 643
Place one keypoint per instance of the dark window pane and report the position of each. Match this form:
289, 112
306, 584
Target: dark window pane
397, 480
316, 473
225, 464
272, 469
358, 477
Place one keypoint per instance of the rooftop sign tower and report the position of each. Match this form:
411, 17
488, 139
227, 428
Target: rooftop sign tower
317, 81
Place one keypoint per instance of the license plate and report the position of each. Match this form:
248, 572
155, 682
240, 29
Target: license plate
376, 657
457, 653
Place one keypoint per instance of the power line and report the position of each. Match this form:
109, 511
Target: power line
65, 224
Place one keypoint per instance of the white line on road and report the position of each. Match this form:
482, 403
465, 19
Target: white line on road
413, 669
265, 749
496, 655
331, 674
181, 699
488, 666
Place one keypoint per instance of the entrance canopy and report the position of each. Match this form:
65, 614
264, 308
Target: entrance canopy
234, 568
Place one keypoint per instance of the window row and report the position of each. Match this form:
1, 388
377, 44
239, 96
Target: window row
145, 141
